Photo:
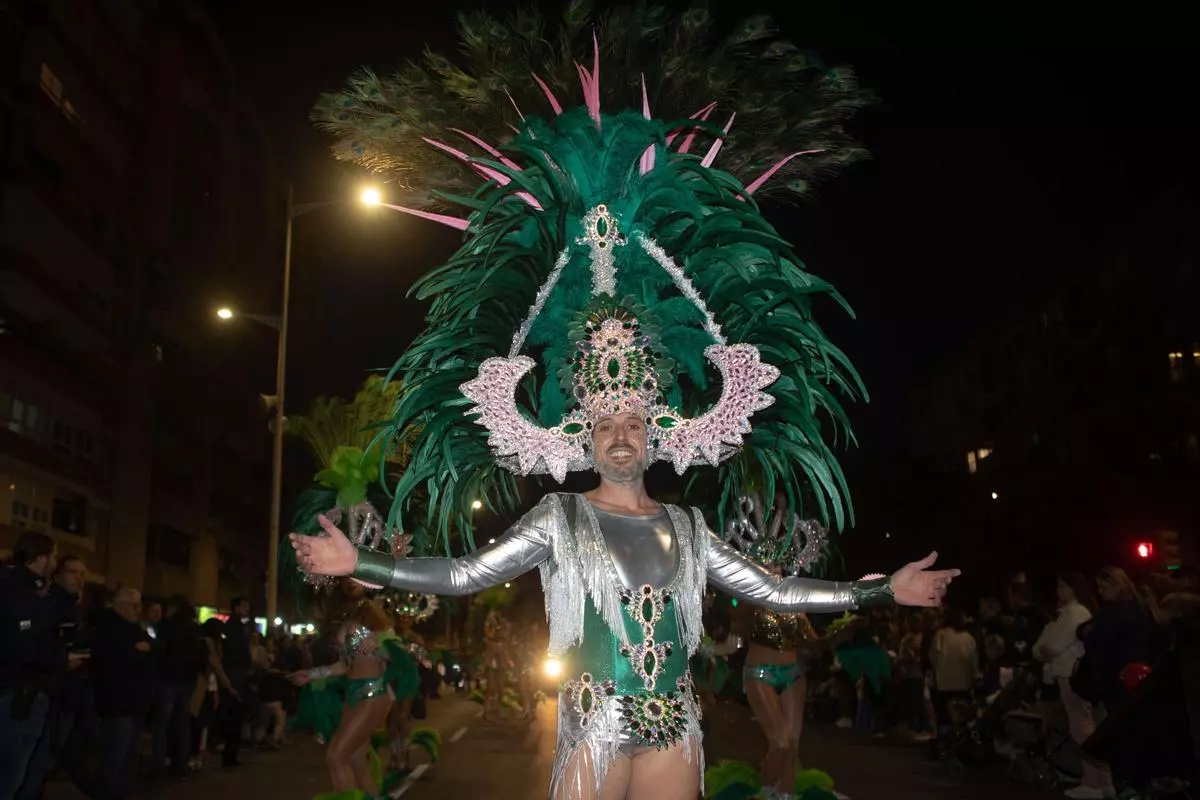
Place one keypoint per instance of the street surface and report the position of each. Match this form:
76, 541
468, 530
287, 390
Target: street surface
511, 761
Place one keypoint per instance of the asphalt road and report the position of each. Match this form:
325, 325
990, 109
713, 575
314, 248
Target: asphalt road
511, 761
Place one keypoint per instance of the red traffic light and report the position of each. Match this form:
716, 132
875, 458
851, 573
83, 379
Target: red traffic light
1145, 549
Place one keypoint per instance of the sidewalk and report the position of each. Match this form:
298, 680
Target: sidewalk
294, 773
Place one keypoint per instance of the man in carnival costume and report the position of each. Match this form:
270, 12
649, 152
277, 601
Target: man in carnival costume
613, 248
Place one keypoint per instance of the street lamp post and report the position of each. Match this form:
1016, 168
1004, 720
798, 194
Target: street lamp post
277, 442
371, 197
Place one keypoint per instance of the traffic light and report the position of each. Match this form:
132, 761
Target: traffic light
1144, 550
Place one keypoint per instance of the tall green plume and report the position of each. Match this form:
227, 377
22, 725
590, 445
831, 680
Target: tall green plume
539, 182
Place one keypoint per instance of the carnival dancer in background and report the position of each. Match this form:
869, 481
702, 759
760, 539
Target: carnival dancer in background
362, 632
497, 661
781, 644
408, 609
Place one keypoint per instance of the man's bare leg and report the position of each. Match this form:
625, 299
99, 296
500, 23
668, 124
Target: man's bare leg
664, 774
579, 779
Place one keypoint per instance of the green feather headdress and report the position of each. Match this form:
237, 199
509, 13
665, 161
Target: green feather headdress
687, 245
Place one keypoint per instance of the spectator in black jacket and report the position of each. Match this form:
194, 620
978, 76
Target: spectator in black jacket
31, 656
66, 690
181, 658
123, 673
235, 704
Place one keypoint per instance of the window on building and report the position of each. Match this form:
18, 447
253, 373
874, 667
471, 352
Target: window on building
983, 452
20, 515
41, 518
83, 447
1178, 364
69, 513
23, 418
169, 546
972, 463
229, 566
50, 169
53, 88
64, 437
103, 522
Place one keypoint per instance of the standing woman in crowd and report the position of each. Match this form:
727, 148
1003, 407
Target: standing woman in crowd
206, 700
1060, 649
955, 660
1119, 634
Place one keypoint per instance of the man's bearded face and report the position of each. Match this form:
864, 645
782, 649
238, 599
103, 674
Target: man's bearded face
619, 448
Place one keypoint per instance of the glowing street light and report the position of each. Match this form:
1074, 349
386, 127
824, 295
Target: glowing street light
478, 504
995, 496
552, 667
369, 196
278, 621
508, 586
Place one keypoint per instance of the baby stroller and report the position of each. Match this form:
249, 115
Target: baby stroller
1038, 753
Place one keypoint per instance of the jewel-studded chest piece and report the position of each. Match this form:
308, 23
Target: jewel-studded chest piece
646, 607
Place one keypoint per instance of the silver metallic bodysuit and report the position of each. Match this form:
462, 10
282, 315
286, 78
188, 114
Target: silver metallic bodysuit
656, 565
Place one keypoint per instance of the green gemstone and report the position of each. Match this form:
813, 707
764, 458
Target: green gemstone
647, 610
602, 226
649, 663
585, 700
614, 368
572, 428
665, 422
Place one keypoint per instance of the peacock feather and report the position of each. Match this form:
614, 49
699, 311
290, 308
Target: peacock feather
673, 177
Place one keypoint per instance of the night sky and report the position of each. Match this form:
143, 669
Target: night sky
1008, 143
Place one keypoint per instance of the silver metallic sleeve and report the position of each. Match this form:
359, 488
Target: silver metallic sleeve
521, 548
735, 574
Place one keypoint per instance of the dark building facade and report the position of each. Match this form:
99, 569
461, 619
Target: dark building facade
1069, 435
138, 191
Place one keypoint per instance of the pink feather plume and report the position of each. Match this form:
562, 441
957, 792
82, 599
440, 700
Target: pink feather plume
452, 222
647, 160
716, 146
691, 137
554, 104
702, 114
761, 179
491, 150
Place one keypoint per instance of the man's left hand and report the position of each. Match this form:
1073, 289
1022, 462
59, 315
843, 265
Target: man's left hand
913, 585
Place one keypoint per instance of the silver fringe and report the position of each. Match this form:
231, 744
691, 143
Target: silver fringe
562, 583
687, 590
599, 575
602, 740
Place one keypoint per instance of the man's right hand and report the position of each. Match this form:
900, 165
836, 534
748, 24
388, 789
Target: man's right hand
77, 660
325, 555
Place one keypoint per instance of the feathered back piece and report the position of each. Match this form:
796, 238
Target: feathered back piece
634, 232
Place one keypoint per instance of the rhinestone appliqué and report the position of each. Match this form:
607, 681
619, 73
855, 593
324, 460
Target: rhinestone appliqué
660, 719
646, 607
588, 696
